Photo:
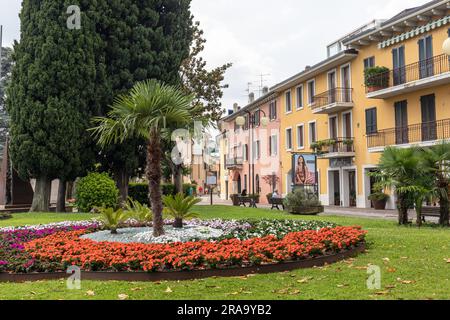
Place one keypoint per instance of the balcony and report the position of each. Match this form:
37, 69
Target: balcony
234, 163
332, 101
335, 148
422, 134
420, 75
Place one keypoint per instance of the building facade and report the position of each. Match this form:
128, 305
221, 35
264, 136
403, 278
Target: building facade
384, 84
250, 156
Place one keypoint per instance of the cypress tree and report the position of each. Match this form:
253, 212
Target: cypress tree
56, 83
145, 39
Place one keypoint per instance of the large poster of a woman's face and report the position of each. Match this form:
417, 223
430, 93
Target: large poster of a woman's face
305, 170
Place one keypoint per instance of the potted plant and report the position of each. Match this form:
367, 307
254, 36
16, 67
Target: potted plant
302, 202
376, 78
379, 200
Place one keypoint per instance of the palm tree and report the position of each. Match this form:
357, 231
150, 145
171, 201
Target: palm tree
147, 111
436, 162
399, 169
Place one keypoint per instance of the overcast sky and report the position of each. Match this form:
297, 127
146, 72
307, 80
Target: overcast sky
275, 37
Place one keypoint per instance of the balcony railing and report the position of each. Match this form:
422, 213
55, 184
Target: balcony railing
336, 146
234, 163
416, 71
413, 134
333, 96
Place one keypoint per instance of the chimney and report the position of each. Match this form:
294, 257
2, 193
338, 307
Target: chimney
235, 107
307, 68
251, 97
265, 90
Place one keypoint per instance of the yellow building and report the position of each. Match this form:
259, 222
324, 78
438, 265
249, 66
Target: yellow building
332, 110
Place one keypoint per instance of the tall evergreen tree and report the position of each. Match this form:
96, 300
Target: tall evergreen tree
5, 77
145, 39
57, 80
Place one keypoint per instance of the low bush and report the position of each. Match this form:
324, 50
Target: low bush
96, 190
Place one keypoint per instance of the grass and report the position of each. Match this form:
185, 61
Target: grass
414, 265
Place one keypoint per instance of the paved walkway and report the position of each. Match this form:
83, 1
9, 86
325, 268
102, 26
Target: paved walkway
331, 211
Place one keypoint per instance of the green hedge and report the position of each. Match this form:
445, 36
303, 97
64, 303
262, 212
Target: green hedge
139, 191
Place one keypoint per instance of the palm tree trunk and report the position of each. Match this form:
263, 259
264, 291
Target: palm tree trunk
403, 218
178, 178
122, 179
444, 211
154, 175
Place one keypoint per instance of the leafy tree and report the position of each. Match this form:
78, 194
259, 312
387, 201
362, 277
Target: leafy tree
56, 83
205, 85
146, 112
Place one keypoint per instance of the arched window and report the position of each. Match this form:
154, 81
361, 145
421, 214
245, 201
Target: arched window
258, 190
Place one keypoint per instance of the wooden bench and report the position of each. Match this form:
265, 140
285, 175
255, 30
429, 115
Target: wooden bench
276, 203
431, 212
243, 201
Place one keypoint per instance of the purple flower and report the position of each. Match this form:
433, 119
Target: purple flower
3, 263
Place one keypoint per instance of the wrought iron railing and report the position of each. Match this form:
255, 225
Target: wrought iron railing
419, 70
336, 145
336, 95
413, 134
234, 162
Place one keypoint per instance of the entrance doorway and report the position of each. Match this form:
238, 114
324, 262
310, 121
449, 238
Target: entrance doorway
352, 188
334, 188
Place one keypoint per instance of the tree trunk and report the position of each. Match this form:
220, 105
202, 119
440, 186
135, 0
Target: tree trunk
41, 197
403, 218
178, 178
122, 181
178, 224
444, 218
61, 201
154, 175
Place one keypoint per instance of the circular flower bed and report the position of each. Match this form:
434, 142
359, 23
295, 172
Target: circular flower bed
52, 248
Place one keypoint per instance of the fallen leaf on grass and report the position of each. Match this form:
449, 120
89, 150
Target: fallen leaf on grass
136, 289
305, 280
391, 270
122, 296
342, 285
386, 259
382, 293
90, 293
447, 260
168, 290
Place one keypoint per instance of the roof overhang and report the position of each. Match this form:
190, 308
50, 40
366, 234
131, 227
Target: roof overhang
251, 106
400, 23
334, 61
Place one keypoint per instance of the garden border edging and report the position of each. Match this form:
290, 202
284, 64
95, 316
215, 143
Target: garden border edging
187, 275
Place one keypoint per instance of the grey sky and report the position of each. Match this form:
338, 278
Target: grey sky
276, 37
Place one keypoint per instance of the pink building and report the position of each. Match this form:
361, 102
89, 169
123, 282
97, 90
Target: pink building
250, 155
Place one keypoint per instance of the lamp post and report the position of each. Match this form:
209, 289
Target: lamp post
446, 46
252, 119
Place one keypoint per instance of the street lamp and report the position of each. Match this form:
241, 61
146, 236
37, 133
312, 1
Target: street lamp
263, 121
446, 46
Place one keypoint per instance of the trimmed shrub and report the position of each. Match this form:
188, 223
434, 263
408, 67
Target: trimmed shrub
96, 190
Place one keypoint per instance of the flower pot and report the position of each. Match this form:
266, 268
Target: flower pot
307, 211
375, 88
379, 204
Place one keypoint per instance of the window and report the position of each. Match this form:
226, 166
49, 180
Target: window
256, 150
288, 101
300, 137
246, 125
245, 152
245, 182
273, 145
369, 63
371, 121
273, 110
256, 118
289, 139
311, 91
300, 98
312, 132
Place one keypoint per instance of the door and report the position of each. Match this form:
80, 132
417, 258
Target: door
347, 119
426, 63
239, 185
337, 188
398, 62
428, 106
332, 87
347, 95
401, 122
333, 133
352, 188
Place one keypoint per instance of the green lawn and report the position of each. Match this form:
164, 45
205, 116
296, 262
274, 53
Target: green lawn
415, 265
